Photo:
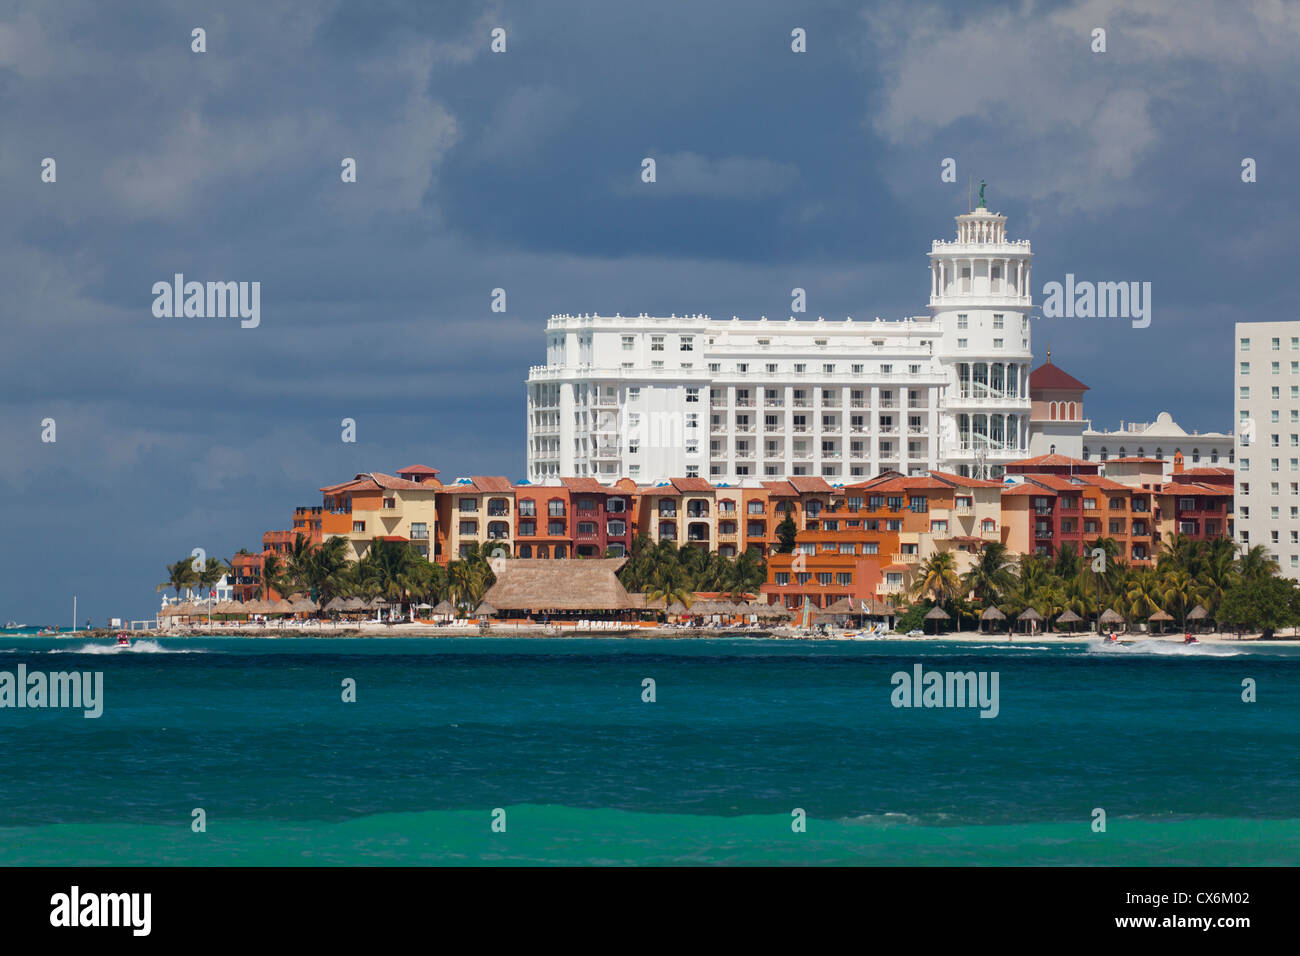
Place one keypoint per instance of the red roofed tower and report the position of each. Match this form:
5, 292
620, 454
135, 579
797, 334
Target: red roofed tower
1056, 421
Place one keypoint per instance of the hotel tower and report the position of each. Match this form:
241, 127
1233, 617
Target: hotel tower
653, 398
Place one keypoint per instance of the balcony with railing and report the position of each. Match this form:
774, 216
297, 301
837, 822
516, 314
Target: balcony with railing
908, 557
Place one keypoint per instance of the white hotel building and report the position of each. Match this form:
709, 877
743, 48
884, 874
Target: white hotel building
653, 398
1266, 397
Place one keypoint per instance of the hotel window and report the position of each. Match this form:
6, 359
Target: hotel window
1273, 536
715, 367
358, 527
962, 321
1272, 416
1277, 368
656, 343
627, 365
692, 446
1272, 464
886, 369
1245, 368
938, 526
1245, 345
1272, 488
1244, 391
782, 578
857, 369
390, 503
469, 527
800, 368
629, 343
555, 508
823, 578
828, 369
844, 578
1276, 392
657, 363
633, 447
871, 547
997, 343
469, 504
998, 321
688, 343
527, 528
820, 341
1295, 440
692, 395
1295, 391
742, 367
555, 528
771, 368
1245, 487
634, 392
847, 548
1272, 440
961, 343
878, 343
634, 470
914, 369
1295, 368
1245, 513
527, 508
1277, 345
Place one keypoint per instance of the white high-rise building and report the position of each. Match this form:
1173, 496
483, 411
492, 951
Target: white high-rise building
1266, 399
653, 398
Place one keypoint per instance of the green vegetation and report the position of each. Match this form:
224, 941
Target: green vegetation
665, 570
1240, 590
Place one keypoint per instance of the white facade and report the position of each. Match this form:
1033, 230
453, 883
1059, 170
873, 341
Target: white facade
1161, 439
653, 398
1266, 400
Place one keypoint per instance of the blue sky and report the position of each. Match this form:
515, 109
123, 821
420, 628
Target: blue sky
521, 170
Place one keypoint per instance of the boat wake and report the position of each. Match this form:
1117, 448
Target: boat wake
137, 647
1153, 648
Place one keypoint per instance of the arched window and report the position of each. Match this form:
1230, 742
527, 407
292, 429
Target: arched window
1085, 452
1122, 452
1071, 416
1160, 453
1052, 414
1051, 450
1142, 452
1196, 455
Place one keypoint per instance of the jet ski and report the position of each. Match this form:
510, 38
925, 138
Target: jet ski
123, 640
1189, 639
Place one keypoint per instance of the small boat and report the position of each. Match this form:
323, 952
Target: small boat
123, 640
12, 625
47, 631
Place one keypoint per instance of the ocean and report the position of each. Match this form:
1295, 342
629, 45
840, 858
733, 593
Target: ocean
551, 740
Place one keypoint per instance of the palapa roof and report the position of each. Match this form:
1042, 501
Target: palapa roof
444, 607
1198, 612
1110, 616
336, 604
1069, 617
484, 610
842, 606
1029, 614
354, 604
1161, 615
542, 584
992, 614
937, 613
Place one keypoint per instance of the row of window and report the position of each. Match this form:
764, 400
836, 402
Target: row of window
1275, 344
1275, 368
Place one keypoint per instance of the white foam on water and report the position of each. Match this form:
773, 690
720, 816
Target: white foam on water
137, 647
1153, 648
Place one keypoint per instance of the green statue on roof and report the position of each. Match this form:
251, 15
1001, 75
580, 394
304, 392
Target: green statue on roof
981, 205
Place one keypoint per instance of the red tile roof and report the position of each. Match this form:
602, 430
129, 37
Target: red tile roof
780, 489
964, 482
495, 483
369, 481
1052, 461
1048, 376
417, 470
1133, 459
1028, 489
584, 485
1105, 484
909, 483
690, 485
1208, 471
806, 484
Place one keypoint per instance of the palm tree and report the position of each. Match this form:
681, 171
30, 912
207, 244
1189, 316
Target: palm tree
180, 575
1256, 563
938, 576
272, 576
1178, 589
991, 576
1143, 594
670, 594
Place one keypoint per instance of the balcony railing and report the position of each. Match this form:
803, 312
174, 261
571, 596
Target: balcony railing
909, 558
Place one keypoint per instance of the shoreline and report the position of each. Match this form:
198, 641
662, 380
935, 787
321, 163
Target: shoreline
372, 629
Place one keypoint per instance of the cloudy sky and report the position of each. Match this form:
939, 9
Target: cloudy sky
520, 170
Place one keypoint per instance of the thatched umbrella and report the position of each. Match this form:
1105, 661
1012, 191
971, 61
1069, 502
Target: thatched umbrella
991, 613
936, 613
335, 605
1109, 616
1198, 613
305, 605
1029, 614
354, 604
444, 608
484, 610
281, 607
677, 607
1069, 617
1161, 616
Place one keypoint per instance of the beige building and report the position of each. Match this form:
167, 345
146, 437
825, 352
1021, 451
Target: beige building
478, 510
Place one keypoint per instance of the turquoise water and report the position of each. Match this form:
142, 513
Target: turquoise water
554, 733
